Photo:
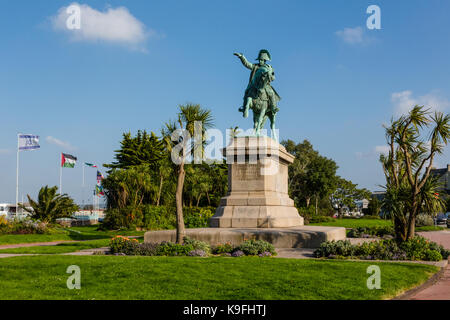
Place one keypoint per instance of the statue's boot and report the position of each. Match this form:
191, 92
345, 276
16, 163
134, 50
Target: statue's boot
244, 110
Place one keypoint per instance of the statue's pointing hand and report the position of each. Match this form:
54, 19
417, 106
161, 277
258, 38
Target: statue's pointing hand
238, 54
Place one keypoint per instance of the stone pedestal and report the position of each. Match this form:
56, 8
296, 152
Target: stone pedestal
257, 186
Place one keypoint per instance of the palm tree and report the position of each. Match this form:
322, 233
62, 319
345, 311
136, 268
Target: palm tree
191, 118
410, 189
50, 205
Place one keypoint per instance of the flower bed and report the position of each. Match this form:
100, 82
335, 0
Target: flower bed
24, 226
417, 248
120, 245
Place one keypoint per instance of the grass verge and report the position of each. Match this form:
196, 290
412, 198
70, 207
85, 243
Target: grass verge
354, 223
61, 234
120, 277
60, 248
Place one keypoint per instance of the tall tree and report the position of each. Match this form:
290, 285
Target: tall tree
142, 149
298, 170
407, 167
374, 206
179, 137
346, 195
131, 187
320, 179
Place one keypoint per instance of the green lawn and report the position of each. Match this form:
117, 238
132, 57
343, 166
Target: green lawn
119, 277
430, 228
355, 223
74, 233
60, 248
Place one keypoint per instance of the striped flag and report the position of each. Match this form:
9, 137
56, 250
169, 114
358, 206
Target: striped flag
99, 188
90, 165
68, 161
28, 142
99, 191
99, 177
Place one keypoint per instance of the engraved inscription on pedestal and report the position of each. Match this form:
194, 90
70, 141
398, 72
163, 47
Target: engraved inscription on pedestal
256, 199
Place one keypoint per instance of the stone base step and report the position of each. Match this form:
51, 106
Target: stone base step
296, 237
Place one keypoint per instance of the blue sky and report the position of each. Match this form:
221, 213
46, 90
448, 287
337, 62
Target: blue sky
338, 80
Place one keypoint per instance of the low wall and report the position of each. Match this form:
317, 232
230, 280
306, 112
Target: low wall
297, 237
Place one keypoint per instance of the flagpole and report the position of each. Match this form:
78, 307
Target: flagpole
83, 176
82, 188
60, 177
17, 176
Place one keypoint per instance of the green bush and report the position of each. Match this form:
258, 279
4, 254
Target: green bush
158, 217
147, 249
197, 217
197, 245
121, 244
173, 249
190, 247
116, 219
255, 247
371, 217
423, 220
151, 217
366, 232
335, 248
25, 226
223, 248
432, 255
310, 213
319, 219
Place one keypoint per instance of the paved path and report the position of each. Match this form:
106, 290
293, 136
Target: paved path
33, 244
438, 291
441, 289
10, 255
294, 253
441, 237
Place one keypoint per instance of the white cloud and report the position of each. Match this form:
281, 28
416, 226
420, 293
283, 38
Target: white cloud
59, 143
114, 25
381, 149
404, 101
352, 35
376, 151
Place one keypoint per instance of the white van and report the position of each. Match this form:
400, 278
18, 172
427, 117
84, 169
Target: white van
7, 210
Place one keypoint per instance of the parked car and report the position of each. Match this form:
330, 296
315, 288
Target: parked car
448, 223
442, 218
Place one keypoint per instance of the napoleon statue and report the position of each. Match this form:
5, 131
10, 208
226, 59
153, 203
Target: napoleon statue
260, 96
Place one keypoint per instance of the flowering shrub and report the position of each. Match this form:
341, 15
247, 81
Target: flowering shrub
24, 226
255, 247
121, 244
197, 245
197, 253
238, 253
3, 221
248, 247
223, 248
265, 254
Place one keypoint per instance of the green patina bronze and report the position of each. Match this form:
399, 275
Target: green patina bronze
260, 96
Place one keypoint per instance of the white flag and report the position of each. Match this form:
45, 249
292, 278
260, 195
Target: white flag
28, 142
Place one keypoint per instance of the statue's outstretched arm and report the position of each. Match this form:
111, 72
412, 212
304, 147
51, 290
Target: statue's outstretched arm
244, 61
